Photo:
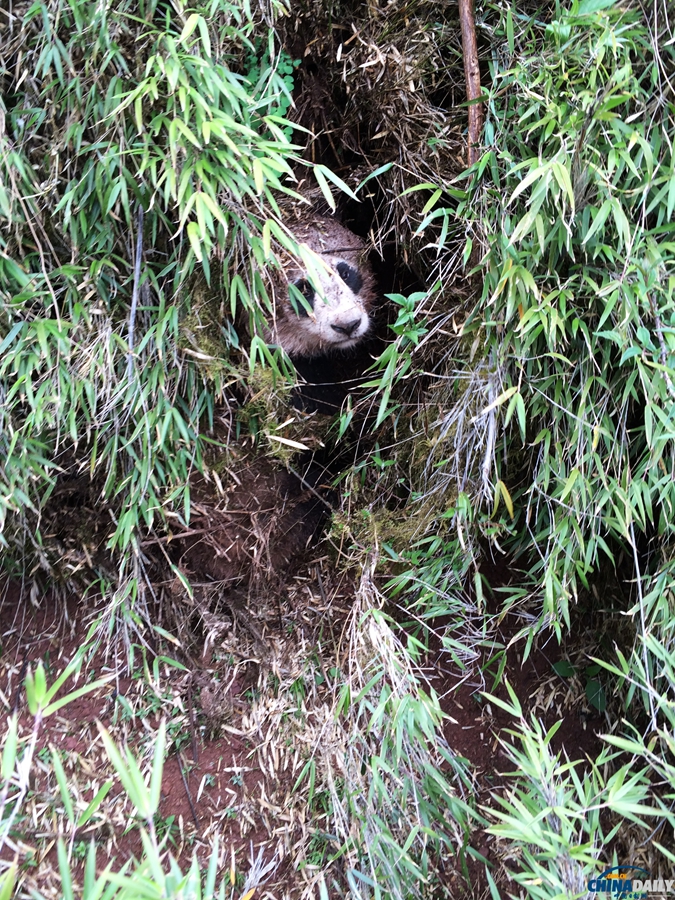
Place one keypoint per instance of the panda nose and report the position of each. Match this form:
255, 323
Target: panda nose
348, 328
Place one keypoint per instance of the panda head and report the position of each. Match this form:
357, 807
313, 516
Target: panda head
327, 308
328, 305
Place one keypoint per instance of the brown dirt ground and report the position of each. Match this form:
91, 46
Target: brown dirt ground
226, 773
213, 784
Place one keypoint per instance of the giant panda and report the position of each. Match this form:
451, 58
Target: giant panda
327, 311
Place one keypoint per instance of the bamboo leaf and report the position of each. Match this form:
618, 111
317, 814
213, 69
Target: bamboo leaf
331, 176
189, 27
536, 173
8, 881
503, 397
101, 794
63, 784
287, 442
325, 189
10, 748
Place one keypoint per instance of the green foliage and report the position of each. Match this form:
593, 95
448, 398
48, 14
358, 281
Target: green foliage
134, 151
7, 880
18, 751
156, 874
577, 189
262, 70
559, 815
431, 587
576, 192
646, 679
411, 800
570, 361
394, 362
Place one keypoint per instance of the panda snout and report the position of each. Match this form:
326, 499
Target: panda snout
348, 328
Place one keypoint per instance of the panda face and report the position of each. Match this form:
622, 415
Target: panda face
329, 309
326, 296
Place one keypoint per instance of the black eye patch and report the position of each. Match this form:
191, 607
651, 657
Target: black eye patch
350, 276
301, 295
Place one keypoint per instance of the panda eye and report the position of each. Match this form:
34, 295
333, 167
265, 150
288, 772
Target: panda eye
350, 276
301, 295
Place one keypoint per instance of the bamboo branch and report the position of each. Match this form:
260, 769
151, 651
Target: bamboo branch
135, 293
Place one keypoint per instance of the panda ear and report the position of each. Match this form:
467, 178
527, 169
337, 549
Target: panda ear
351, 276
301, 296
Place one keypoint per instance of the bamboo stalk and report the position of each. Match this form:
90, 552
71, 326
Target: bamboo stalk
472, 77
